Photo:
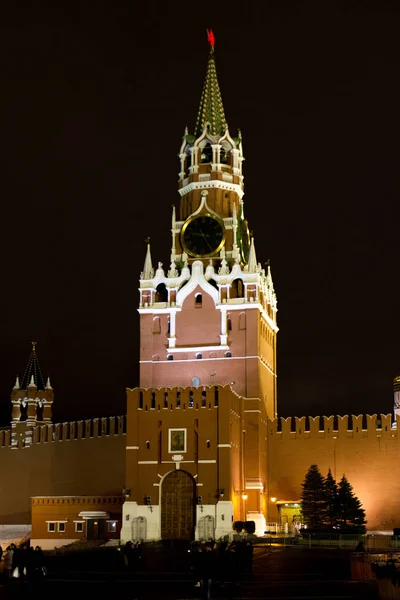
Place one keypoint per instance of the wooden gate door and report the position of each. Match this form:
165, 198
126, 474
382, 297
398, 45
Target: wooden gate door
177, 506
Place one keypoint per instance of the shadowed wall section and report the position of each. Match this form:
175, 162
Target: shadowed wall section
62, 463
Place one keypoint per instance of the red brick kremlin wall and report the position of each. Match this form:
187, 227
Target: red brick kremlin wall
365, 450
78, 458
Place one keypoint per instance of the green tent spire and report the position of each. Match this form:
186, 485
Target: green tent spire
32, 370
211, 108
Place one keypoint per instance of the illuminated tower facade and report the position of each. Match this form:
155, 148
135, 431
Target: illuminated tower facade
32, 402
207, 349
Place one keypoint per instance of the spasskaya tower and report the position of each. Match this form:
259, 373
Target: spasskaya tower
207, 336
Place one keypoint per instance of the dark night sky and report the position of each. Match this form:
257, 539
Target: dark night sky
94, 100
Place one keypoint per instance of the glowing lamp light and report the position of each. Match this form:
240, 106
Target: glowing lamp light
273, 499
244, 496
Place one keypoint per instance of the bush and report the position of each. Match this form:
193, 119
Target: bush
249, 526
238, 526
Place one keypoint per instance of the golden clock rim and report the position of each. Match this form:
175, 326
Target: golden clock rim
190, 220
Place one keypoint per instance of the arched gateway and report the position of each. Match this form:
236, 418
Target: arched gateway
178, 506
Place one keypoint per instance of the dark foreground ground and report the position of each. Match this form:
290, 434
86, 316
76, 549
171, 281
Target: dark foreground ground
165, 573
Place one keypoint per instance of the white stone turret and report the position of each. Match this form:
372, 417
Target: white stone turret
148, 271
252, 263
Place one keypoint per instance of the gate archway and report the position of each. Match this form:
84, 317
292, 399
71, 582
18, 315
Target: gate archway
178, 506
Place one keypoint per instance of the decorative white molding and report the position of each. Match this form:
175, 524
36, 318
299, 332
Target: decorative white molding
214, 183
159, 311
205, 359
173, 350
177, 457
132, 447
197, 279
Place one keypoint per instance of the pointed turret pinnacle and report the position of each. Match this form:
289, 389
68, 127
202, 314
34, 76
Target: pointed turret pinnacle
252, 263
32, 374
16, 386
211, 109
269, 277
148, 271
48, 384
32, 382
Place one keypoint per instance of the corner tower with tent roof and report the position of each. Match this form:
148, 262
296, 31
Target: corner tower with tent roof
31, 401
207, 352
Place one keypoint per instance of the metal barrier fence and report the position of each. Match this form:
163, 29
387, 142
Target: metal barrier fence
370, 541
334, 541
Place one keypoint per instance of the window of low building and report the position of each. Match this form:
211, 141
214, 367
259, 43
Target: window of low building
78, 526
51, 527
61, 526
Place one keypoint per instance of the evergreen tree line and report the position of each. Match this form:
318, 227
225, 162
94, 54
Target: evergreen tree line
330, 505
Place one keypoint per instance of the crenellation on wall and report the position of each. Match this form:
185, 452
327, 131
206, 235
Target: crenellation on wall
343, 425
333, 426
357, 424
66, 432
286, 426
386, 425
300, 425
179, 398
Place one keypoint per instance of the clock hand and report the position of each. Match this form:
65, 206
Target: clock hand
206, 241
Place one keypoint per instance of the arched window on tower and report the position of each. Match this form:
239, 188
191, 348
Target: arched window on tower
24, 410
206, 153
161, 293
156, 325
224, 156
198, 303
39, 411
188, 161
237, 289
228, 322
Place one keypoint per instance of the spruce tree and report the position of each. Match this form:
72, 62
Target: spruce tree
350, 512
313, 499
332, 500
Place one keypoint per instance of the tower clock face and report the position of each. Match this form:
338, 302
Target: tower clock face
203, 236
